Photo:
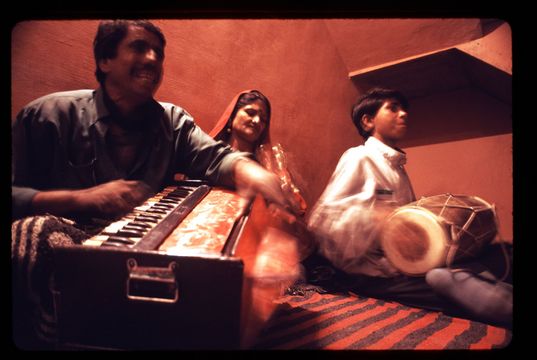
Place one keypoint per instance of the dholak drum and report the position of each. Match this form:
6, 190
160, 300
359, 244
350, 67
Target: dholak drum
437, 231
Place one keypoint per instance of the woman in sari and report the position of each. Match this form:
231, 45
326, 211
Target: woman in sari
245, 126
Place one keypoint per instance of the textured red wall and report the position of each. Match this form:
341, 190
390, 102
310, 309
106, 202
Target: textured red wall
293, 62
297, 65
49, 56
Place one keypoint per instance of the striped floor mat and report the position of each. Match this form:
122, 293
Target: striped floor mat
329, 321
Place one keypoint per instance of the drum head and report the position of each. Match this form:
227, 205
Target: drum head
414, 240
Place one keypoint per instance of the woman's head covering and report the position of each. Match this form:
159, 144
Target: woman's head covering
270, 157
220, 130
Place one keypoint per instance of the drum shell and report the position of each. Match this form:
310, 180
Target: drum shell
437, 231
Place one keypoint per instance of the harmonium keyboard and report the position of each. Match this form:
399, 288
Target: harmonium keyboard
174, 273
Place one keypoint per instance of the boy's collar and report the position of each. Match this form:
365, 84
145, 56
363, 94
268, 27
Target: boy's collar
395, 156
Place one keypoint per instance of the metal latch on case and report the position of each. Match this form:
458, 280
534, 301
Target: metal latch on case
153, 284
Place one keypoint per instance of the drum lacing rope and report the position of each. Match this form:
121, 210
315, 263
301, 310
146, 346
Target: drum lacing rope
500, 241
453, 250
450, 257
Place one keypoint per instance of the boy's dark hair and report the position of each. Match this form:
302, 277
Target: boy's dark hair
109, 35
371, 102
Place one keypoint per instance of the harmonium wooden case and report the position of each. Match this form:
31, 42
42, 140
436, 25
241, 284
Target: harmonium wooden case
172, 274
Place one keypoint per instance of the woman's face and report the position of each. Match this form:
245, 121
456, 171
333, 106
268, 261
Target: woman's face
250, 121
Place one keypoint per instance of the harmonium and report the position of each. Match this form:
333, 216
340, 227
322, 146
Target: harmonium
191, 268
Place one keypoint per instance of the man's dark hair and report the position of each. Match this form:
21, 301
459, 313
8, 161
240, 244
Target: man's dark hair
371, 102
109, 35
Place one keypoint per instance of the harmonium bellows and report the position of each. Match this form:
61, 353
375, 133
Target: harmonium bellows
169, 275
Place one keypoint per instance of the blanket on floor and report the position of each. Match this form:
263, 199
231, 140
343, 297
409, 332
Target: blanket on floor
348, 321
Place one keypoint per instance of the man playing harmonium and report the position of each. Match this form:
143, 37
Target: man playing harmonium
91, 154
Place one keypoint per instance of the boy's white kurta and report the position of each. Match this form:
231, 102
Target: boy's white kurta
366, 178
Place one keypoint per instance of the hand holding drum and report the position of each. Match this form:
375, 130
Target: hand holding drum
436, 231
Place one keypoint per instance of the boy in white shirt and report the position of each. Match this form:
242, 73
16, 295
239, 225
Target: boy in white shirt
370, 182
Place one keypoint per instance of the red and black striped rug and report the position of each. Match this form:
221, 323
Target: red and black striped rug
349, 321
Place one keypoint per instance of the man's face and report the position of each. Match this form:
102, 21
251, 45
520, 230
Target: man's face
136, 71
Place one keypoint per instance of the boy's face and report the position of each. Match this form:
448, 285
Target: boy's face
390, 122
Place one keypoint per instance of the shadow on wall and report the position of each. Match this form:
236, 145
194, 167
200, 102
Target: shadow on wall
457, 115
453, 96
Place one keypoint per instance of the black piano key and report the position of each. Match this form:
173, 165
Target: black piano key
156, 217
163, 206
153, 210
167, 201
170, 199
146, 219
135, 228
120, 240
129, 233
140, 224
